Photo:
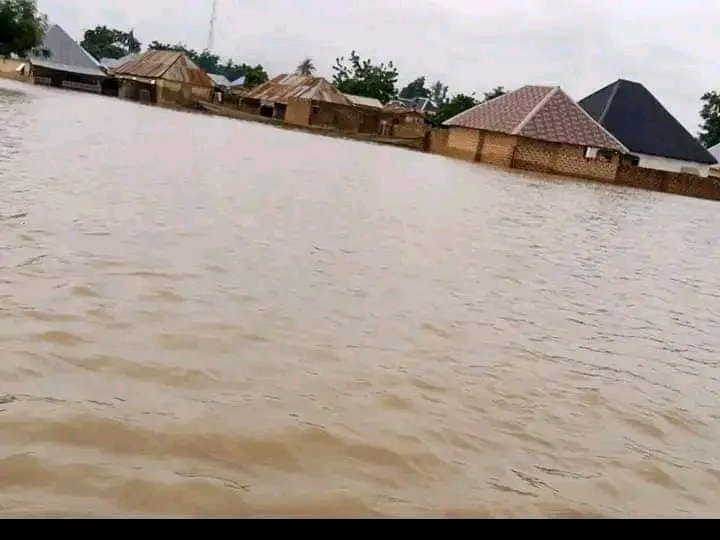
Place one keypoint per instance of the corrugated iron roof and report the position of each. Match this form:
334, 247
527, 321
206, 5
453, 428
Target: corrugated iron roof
545, 113
167, 65
66, 54
363, 101
284, 88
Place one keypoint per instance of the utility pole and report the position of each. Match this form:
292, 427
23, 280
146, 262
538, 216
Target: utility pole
211, 34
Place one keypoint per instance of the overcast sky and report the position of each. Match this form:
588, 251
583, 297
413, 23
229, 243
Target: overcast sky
471, 45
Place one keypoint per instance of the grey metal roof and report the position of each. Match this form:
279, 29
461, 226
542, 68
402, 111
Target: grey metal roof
66, 54
112, 63
715, 151
219, 80
240, 81
365, 101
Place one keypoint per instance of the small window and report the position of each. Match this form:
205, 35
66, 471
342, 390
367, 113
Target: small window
605, 155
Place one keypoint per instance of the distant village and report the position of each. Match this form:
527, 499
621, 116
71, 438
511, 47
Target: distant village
620, 134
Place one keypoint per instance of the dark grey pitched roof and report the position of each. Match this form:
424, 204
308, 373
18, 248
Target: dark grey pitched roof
634, 116
66, 54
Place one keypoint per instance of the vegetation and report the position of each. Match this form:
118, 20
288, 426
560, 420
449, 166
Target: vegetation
104, 42
363, 78
495, 92
211, 63
306, 67
439, 93
416, 89
710, 113
22, 27
454, 106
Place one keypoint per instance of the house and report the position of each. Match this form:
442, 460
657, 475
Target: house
536, 128
64, 63
291, 97
402, 122
163, 77
654, 138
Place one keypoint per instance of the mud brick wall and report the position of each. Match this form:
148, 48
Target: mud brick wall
498, 149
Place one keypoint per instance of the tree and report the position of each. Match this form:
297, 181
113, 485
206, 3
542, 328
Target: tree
495, 92
416, 89
438, 93
363, 78
306, 67
104, 42
453, 107
710, 113
22, 27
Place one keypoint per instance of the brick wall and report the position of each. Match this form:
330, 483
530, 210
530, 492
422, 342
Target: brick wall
409, 131
670, 182
571, 161
298, 112
437, 141
462, 143
498, 149
531, 155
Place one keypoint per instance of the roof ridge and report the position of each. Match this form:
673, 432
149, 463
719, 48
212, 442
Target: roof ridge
178, 54
614, 92
535, 110
613, 137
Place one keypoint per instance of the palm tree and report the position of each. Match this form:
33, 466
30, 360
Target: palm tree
306, 67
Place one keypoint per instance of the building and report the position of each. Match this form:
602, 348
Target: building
65, 64
654, 138
305, 100
402, 122
163, 77
219, 81
537, 128
294, 98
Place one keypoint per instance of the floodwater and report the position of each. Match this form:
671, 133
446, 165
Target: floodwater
202, 316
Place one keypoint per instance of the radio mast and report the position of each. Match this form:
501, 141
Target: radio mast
211, 33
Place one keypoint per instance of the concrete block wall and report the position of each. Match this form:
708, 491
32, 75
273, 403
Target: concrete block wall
498, 149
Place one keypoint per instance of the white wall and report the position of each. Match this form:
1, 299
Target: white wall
672, 165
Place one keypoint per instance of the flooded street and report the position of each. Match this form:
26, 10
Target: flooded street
212, 317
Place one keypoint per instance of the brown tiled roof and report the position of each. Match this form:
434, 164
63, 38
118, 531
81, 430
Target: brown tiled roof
284, 88
545, 113
168, 65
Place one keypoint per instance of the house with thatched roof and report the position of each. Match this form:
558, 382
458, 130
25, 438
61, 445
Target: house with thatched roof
536, 128
163, 77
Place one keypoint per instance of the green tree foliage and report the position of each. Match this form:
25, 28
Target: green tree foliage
452, 107
495, 92
211, 63
363, 78
104, 42
306, 67
710, 113
438, 93
22, 27
416, 89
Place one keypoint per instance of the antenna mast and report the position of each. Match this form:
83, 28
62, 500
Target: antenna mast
211, 34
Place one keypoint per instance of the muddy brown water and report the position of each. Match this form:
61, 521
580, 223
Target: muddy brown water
203, 316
